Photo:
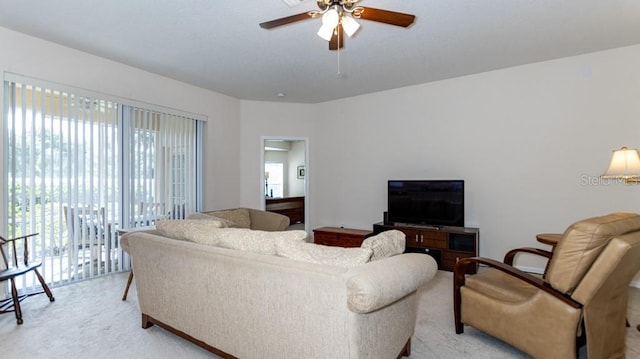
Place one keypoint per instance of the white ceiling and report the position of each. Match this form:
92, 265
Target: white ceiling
218, 44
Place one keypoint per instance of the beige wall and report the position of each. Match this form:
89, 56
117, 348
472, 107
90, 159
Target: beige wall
296, 158
526, 140
274, 120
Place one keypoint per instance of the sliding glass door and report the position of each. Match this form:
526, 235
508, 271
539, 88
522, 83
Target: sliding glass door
79, 167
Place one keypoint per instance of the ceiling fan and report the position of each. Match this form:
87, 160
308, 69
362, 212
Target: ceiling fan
339, 16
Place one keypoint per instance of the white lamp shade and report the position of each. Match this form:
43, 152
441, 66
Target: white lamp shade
330, 20
326, 32
625, 163
349, 25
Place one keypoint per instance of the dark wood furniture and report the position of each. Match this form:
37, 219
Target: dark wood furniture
14, 268
446, 245
549, 238
340, 237
292, 207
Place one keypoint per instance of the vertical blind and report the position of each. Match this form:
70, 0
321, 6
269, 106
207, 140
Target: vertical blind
162, 161
80, 167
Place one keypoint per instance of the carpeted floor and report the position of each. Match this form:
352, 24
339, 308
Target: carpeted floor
88, 319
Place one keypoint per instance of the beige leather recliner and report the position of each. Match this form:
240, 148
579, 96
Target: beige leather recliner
584, 292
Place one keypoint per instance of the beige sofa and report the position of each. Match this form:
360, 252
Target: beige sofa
253, 218
249, 305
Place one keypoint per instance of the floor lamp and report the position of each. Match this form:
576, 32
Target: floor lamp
625, 165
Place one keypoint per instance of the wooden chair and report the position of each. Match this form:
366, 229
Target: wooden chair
84, 224
149, 213
12, 269
582, 297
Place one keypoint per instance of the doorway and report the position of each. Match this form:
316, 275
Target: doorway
284, 178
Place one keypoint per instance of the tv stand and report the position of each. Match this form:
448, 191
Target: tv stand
411, 225
445, 244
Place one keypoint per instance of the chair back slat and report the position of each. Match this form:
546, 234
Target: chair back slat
5, 261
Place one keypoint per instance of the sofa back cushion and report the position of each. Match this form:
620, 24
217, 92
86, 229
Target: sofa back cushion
250, 240
385, 244
239, 217
184, 229
315, 253
582, 243
210, 217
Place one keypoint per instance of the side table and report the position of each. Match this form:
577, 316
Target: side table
340, 237
551, 239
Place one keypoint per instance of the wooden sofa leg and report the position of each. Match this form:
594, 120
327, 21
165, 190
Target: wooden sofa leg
406, 351
146, 323
126, 289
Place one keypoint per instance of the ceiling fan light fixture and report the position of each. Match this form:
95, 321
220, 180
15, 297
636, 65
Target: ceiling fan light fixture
349, 25
326, 32
330, 20
340, 17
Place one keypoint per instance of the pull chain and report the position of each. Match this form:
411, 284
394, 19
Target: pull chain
339, 74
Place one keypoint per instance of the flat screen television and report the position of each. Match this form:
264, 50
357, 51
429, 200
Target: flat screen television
426, 202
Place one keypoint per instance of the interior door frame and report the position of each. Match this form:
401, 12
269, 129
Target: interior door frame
307, 172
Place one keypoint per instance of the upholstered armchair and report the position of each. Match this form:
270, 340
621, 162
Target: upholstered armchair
583, 295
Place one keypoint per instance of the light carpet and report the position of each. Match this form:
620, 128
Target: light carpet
89, 319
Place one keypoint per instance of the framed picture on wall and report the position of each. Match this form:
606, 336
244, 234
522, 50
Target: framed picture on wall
300, 172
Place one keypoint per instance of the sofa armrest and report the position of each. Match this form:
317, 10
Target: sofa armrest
268, 221
380, 283
124, 239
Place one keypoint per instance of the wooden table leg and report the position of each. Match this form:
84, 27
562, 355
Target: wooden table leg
126, 289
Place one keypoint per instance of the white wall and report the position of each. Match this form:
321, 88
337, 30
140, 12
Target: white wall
35, 58
524, 139
269, 119
296, 158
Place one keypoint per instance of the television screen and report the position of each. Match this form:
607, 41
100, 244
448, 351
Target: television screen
426, 202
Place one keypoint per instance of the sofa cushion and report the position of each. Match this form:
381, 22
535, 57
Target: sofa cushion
316, 253
225, 222
255, 241
240, 217
184, 229
385, 244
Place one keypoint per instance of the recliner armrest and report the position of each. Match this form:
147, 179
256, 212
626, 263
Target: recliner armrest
510, 256
459, 278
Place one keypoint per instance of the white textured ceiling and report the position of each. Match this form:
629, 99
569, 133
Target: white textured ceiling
218, 44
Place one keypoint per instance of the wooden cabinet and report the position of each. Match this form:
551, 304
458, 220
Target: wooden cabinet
339, 237
292, 207
445, 244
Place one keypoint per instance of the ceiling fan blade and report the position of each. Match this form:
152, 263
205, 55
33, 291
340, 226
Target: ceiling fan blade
387, 17
285, 20
337, 39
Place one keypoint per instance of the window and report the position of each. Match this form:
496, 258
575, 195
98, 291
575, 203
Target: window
79, 166
273, 174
